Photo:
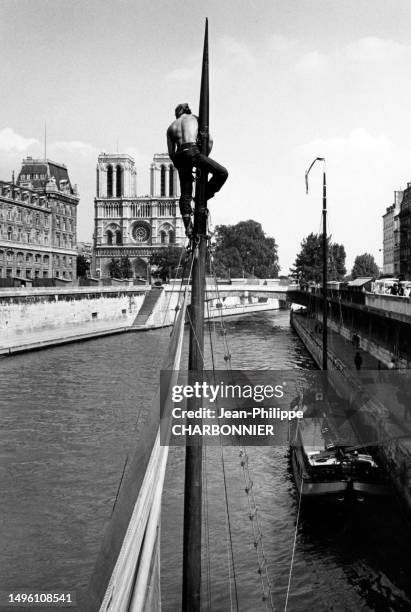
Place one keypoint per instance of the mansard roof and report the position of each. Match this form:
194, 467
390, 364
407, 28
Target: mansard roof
44, 167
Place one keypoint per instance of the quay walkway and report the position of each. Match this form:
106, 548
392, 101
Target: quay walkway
383, 393
11, 343
379, 379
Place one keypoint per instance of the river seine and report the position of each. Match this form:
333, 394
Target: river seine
69, 418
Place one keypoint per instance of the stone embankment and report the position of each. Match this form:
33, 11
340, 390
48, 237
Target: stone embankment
33, 319
374, 394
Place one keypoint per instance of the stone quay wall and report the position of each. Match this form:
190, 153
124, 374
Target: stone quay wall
28, 310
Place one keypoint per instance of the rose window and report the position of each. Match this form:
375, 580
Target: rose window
141, 232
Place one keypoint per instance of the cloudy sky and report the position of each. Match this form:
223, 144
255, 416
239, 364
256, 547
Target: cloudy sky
290, 80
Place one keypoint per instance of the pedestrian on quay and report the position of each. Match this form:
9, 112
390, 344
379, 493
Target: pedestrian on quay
358, 360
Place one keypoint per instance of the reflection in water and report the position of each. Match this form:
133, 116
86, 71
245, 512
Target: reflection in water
70, 420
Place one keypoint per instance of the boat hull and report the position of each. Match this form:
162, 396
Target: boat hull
337, 489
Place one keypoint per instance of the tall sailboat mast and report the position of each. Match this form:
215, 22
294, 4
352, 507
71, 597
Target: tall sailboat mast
325, 264
194, 454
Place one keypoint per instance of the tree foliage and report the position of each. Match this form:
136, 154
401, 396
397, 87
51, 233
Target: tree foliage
120, 267
364, 265
165, 261
245, 249
308, 264
83, 265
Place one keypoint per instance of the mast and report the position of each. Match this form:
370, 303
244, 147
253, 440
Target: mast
325, 260
194, 454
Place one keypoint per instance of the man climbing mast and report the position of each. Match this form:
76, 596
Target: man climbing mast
184, 152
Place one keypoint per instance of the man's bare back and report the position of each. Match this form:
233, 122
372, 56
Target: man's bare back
182, 131
184, 151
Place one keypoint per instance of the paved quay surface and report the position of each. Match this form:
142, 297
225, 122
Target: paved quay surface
11, 343
384, 385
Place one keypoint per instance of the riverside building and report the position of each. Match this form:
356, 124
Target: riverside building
391, 255
128, 225
38, 222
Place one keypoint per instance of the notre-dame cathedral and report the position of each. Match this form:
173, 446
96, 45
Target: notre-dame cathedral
127, 225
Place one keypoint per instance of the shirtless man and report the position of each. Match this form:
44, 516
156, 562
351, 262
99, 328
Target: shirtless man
184, 152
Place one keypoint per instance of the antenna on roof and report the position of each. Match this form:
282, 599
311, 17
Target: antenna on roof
12, 178
45, 141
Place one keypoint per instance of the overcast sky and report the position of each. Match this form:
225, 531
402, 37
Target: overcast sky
290, 80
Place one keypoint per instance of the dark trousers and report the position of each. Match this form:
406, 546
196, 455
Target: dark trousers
187, 159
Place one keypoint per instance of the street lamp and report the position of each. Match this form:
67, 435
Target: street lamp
325, 254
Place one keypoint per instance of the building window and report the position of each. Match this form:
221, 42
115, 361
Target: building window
9, 272
10, 257
109, 237
28, 273
38, 258
18, 272
57, 274
171, 182
46, 239
9, 233
163, 181
46, 221
36, 273
171, 237
19, 236
119, 182
110, 182
163, 237
45, 273
118, 237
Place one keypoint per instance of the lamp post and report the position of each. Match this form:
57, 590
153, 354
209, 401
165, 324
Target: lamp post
325, 256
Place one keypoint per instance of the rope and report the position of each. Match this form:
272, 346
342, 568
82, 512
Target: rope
253, 509
206, 527
229, 539
166, 310
294, 543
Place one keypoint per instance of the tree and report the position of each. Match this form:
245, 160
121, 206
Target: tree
308, 264
166, 261
83, 265
364, 265
114, 268
245, 249
125, 267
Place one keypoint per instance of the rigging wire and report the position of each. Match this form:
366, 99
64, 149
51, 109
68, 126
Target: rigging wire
295, 542
206, 528
253, 508
230, 548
